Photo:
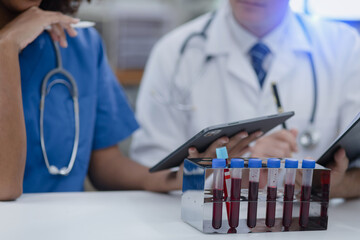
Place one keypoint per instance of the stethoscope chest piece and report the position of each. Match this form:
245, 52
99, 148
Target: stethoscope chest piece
309, 138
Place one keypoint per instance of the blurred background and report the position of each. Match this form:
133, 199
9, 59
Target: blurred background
130, 28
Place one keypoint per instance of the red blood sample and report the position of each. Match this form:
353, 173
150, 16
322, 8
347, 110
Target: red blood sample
325, 186
288, 205
305, 205
217, 208
235, 202
252, 204
271, 206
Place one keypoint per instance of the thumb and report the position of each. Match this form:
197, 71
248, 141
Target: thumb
294, 132
341, 161
193, 152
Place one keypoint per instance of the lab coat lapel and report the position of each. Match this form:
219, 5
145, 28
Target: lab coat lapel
220, 42
281, 68
284, 62
239, 66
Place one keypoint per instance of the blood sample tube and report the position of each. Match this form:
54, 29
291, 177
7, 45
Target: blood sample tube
273, 165
236, 175
291, 165
218, 193
254, 176
221, 153
307, 175
325, 186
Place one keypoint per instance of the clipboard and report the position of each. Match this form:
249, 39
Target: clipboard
349, 140
204, 138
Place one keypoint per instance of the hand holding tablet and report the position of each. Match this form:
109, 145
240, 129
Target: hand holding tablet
348, 140
208, 136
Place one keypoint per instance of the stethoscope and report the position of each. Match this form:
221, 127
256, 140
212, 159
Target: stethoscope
308, 138
45, 90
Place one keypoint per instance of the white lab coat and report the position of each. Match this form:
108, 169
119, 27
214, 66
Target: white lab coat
226, 89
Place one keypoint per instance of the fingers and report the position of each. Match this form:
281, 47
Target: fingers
210, 151
272, 145
59, 23
193, 153
341, 161
238, 144
294, 132
289, 137
57, 17
236, 139
57, 33
339, 168
70, 30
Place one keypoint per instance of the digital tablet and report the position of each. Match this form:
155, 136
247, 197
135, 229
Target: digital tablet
349, 140
203, 139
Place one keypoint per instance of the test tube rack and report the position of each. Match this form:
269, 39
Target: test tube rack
198, 202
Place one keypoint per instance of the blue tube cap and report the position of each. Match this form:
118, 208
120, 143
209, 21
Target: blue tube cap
291, 163
218, 163
273, 163
308, 163
255, 163
222, 153
237, 163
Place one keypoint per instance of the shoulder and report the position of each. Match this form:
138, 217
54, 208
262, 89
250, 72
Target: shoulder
88, 39
331, 33
334, 42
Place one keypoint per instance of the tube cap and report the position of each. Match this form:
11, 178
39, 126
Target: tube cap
291, 163
237, 163
254, 163
273, 163
307, 163
222, 153
218, 163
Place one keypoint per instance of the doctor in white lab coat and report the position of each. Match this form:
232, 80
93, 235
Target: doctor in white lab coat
213, 81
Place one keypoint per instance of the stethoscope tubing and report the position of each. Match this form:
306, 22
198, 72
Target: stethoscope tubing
45, 90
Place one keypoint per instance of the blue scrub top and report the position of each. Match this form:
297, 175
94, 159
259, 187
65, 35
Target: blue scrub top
105, 115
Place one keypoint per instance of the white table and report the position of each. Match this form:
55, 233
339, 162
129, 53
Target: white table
136, 215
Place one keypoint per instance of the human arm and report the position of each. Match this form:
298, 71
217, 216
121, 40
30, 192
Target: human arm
111, 170
13, 134
15, 36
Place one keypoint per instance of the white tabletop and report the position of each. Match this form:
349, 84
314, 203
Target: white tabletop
136, 215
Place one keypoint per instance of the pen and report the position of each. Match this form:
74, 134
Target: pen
81, 24
277, 101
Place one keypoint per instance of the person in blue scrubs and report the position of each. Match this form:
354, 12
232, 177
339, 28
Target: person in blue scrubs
27, 54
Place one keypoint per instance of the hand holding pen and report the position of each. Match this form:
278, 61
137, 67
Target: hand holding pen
277, 101
280, 144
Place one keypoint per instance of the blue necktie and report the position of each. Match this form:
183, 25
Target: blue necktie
258, 53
